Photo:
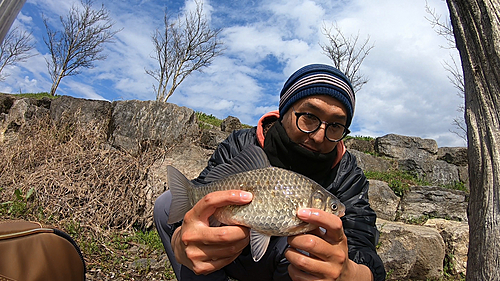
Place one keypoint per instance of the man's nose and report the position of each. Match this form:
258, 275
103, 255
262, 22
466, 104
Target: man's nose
319, 135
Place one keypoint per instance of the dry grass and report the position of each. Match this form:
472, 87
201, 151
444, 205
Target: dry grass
69, 177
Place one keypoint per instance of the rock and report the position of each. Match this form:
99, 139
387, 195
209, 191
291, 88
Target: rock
138, 125
456, 237
441, 173
371, 163
433, 202
366, 146
230, 124
90, 115
142, 264
453, 155
189, 159
383, 200
210, 139
463, 174
436, 172
6, 102
404, 147
19, 113
410, 252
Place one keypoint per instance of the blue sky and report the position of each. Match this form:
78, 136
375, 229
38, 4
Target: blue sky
408, 91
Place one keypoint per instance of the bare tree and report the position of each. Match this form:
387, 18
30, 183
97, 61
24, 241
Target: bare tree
346, 54
455, 74
80, 43
16, 47
477, 33
184, 45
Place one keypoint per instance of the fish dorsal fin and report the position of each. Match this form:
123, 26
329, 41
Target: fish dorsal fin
251, 158
258, 244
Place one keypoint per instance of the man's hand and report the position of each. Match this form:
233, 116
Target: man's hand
205, 249
328, 257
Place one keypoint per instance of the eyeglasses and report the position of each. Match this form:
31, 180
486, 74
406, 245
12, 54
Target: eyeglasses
310, 123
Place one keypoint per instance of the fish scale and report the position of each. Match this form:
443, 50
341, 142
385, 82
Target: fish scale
277, 195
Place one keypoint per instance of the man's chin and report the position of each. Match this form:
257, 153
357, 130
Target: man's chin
310, 149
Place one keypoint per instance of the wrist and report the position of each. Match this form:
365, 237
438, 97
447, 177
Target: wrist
358, 272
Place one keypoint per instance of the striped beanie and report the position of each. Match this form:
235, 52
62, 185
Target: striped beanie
318, 79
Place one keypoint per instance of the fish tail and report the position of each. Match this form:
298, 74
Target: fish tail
180, 187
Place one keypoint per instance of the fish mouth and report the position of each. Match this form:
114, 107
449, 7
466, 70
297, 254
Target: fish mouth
341, 213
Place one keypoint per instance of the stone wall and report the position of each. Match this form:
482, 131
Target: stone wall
437, 235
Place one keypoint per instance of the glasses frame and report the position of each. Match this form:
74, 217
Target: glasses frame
298, 114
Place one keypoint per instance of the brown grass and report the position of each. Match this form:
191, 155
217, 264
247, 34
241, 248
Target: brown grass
75, 174
80, 184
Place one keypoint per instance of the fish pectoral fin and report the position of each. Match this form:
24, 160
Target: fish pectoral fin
258, 244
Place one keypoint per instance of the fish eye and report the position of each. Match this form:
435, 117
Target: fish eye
334, 206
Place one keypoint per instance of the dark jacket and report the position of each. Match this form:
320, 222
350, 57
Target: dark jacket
349, 184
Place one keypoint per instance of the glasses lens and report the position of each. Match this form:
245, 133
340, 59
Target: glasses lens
308, 123
335, 132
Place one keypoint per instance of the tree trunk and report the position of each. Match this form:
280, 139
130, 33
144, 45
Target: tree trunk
8, 13
476, 24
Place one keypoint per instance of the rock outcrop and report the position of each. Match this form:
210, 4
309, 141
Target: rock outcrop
427, 208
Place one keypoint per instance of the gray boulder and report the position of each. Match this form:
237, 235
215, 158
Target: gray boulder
442, 173
138, 125
189, 159
366, 146
434, 202
404, 147
456, 238
410, 252
83, 113
6, 102
211, 138
436, 172
383, 200
17, 113
371, 163
453, 155
230, 124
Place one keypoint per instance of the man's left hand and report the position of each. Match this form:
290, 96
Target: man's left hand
326, 256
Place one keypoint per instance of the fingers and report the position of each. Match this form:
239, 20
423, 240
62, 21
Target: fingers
299, 275
205, 249
214, 252
208, 204
321, 253
317, 249
332, 224
214, 235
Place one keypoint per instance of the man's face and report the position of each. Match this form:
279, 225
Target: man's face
327, 108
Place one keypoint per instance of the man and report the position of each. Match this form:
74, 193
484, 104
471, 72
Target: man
305, 135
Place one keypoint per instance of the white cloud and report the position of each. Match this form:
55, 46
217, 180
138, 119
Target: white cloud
82, 90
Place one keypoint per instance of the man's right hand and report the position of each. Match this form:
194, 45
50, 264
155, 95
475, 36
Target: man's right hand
205, 249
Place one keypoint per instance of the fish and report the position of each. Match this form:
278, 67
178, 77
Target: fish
277, 195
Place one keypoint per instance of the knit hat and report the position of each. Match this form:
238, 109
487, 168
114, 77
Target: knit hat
318, 79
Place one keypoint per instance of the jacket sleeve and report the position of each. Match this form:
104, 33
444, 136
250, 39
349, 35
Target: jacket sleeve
351, 187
